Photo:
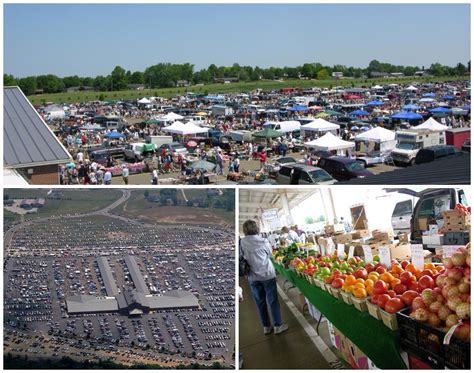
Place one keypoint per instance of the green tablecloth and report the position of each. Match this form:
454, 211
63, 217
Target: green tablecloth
377, 341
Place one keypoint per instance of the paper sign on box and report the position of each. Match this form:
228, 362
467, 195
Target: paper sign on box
340, 250
384, 254
417, 256
351, 252
367, 253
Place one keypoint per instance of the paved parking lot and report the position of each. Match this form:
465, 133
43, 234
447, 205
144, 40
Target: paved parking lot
49, 261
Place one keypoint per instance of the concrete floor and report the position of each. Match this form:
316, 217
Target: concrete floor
293, 349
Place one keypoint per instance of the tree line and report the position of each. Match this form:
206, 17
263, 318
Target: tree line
166, 75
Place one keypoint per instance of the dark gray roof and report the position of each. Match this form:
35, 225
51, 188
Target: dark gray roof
27, 139
107, 277
136, 275
449, 171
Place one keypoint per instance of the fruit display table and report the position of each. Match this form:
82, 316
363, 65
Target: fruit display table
378, 342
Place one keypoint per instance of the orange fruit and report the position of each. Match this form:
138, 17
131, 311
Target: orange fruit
359, 293
373, 278
359, 285
394, 282
429, 266
387, 277
369, 282
350, 280
369, 290
396, 269
360, 281
410, 268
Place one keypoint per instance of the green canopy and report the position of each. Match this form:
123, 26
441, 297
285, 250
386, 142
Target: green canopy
148, 147
151, 121
203, 165
332, 112
111, 102
268, 133
323, 114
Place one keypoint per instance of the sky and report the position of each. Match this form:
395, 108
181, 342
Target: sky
91, 39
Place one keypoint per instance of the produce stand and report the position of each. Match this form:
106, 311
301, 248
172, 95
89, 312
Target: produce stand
378, 342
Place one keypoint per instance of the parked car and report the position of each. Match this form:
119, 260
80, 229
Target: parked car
343, 168
296, 173
174, 147
401, 216
433, 153
138, 151
276, 166
466, 146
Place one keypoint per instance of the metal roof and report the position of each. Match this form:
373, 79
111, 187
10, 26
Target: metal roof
107, 277
91, 304
172, 299
455, 170
28, 141
136, 275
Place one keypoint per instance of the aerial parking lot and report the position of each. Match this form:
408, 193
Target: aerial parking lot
99, 287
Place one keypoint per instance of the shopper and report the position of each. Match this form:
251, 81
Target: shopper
125, 173
290, 235
262, 279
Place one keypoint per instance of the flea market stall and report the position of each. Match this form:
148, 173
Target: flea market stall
378, 297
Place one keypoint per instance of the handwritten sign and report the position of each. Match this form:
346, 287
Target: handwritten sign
330, 246
384, 254
340, 250
367, 254
417, 256
351, 252
449, 250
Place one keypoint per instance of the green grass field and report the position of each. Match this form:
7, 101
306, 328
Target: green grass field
73, 201
66, 97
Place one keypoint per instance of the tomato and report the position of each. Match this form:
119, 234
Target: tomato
369, 267
337, 283
415, 287
407, 278
336, 273
391, 293
380, 287
361, 273
328, 279
394, 305
375, 298
404, 263
400, 288
427, 272
383, 299
426, 282
380, 270
408, 297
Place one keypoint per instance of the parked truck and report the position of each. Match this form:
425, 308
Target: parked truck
222, 111
159, 140
409, 142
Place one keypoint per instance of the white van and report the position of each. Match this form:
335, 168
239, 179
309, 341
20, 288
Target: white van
288, 126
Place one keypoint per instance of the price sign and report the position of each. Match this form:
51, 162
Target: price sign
330, 246
449, 250
417, 256
384, 254
367, 254
351, 252
340, 250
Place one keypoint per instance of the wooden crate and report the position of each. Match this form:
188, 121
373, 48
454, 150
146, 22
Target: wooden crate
359, 303
346, 297
373, 309
389, 319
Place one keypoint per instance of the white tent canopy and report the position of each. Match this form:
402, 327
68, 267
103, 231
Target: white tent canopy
180, 128
329, 142
432, 125
377, 87
377, 134
411, 88
144, 100
172, 116
320, 125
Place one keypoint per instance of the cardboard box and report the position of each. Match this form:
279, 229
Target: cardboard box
455, 221
403, 237
334, 228
381, 235
433, 240
360, 233
356, 358
400, 251
344, 238
423, 224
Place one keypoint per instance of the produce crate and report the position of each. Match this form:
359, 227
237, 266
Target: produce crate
420, 359
389, 319
429, 341
373, 309
336, 293
359, 303
346, 297
318, 283
455, 221
328, 288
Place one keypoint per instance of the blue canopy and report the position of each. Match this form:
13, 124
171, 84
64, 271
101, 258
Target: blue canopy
440, 110
448, 97
354, 128
410, 107
467, 107
114, 135
298, 108
364, 128
429, 94
407, 115
374, 103
359, 112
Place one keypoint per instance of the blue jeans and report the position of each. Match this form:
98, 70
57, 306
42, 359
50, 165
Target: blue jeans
266, 295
